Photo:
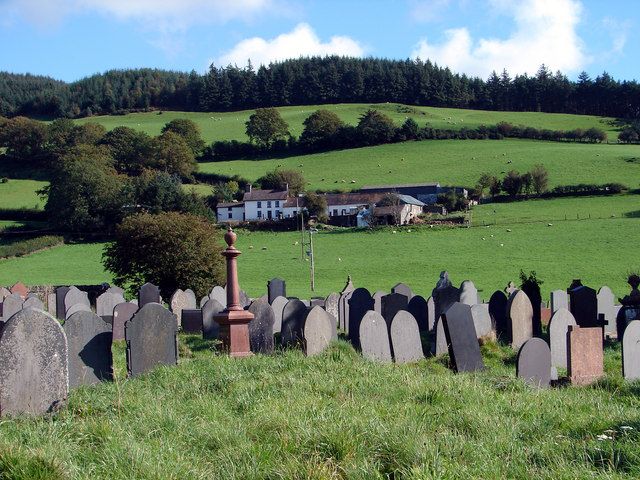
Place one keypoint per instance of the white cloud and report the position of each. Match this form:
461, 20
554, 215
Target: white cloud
619, 31
302, 41
428, 10
545, 32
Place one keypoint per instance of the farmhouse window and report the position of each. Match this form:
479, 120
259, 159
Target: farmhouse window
268, 203
277, 203
259, 204
259, 214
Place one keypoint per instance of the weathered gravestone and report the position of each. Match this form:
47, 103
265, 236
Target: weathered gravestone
33, 302
211, 328
405, 338
261, 327
317, 302
481, 320
584, 305
78, 307
374, 338
276, 287
11, 305
51, 304
203, 300
148, 293
115, 291
533, 364
75, 296
359, 304
558, 329
464, 348
606, 309
377, 301
468, 293
559, 299
440, 345
33, 354
181, 300
89, 344
4, 292
21, 289
403, 289
585, 355
105, 304
151, 337
331, 305
431, 314
444, 295
219, 294
498, 304
318, 331
293, 317
122, 313
419, 308
520, 318
532, 290
278, 306
343, 305
631, 351
192, 320
61, 292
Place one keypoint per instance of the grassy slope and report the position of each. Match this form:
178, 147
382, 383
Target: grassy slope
450, 162
328, 417
21, 193
231, 125
595, 250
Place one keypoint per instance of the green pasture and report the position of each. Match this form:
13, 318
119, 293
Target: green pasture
21, 193
450, 162
231, 125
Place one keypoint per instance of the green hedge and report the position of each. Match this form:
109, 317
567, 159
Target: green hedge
25, 247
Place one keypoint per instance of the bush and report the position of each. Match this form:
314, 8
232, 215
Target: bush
375, 128
280, 179
189, 131
25, 247
171, 250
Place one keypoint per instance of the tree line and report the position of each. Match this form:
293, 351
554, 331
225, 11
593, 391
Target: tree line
317, 80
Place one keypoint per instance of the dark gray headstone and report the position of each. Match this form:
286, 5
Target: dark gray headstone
498, 304
151, 337
359, 304
293, 317
105, 304
343, 305
318, 331
374, 337
403, 289
148, 293
533, 364
392, 304
122, 313
34, 375
631, 351
419, 308
89, 343
261, 327
11, 305
192, 321
61, 292
584, 306
278, 306
444, 295
464, 348
73, 297
276, 287
78, 307
211, 328
405, 338
532, 290
558, 329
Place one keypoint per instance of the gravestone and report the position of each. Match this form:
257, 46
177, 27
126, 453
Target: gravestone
4, 292
192, 320
219, 294
606, 308
520, 318
559, 299
377, 301
11, 305
191, 298
33, 353
431, 314
151, 337
331, 305
585, 354
61, 292
359, 304
278, 306
403, 289
276, 287
392, 304
405, 338
498, 304
211, 328
115, 291
584, 305
293, 317
51, 304
444, 295
468, 293
440, 345
122, 313
78, 307
148, 293
419, 308
317, 302
318, 331
533, 364
105, 304
261, 327
75, 296
33, 302
181, 300
631, 351
558, 329
21, 289
245, 301
343, 305
481, 319
374, 338
89, 344
203, 300
464, 348
532, 290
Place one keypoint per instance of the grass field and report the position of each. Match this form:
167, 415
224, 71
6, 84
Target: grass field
596, 250
231, 125
329, 417
20, 193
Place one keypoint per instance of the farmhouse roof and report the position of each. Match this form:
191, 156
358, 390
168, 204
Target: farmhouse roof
352, 198
409, 200
257, 194
230, 204
404, 185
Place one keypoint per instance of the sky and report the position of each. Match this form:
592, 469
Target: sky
72, 39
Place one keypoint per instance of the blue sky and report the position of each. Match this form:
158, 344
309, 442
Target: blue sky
70, 39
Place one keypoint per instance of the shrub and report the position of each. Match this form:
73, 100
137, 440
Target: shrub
279, 179
266, 126
375, 128
30, 245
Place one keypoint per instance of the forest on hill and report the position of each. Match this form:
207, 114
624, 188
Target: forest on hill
316, 80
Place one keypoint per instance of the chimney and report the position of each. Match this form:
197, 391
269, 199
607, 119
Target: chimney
249, 188
287, 188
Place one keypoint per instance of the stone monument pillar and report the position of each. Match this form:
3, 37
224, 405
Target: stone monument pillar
234, 320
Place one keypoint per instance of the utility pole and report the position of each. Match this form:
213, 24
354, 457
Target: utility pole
301, 228
313, 265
